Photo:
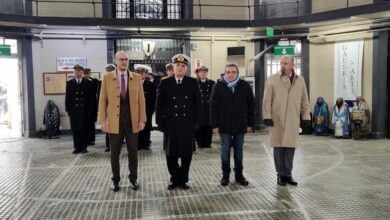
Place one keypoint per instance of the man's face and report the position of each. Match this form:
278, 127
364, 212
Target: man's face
180, 69
231, 73
142, 73
122, 61
169, 71
202, 74
78, 73
286, 65
87, 74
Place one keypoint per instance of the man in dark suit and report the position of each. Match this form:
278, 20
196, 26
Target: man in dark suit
95, 90
178, 115
232, 107
205, 133
78, 105
150, 104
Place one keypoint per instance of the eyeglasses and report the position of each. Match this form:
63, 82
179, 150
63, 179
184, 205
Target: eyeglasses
123, 60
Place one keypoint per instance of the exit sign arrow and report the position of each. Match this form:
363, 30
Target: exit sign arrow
284, 50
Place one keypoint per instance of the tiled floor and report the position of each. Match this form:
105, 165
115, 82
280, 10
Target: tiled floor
338, 179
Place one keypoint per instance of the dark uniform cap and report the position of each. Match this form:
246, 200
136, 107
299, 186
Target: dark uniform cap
181, 58
202, 68
86, 69
78, 66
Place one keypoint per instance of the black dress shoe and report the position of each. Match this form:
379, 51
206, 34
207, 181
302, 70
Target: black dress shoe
291, 181
225, 181
281, 181
171, 186
134, 185
115, 186
185, 186
107, 150
84, 151
241, 180
75, 152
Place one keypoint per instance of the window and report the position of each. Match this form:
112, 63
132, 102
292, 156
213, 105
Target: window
148, 9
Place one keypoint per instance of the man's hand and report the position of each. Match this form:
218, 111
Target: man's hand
248, 129
215, 130
306, 123
103, 127
268, 122
141, 126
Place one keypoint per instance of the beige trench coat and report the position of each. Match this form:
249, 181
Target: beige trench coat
284, 103
110, 99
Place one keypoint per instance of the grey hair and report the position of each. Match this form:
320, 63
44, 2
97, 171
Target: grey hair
121, 51
232, 64
289, 57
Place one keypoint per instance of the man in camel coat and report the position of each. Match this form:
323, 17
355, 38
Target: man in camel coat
122, 114
285, 100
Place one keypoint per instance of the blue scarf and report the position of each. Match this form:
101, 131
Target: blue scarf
231, 84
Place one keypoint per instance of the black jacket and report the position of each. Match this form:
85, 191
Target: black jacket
178, 113
79, 102
205, 92
232, 112
150, 98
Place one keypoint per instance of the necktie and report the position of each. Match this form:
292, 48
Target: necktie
123, 85
178, 82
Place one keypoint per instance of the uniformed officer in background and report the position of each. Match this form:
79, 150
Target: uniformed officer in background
95, 90
178, 115
169, 70
150, 104
205, 133
78, 105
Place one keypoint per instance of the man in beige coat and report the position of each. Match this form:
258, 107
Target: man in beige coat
122, 114
285, 100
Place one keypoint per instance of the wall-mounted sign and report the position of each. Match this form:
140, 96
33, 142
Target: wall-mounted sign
284, 50
5, 50
148, 47
348, 62
65, 64
269, 32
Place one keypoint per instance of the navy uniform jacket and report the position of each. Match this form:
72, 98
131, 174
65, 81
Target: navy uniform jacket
178, 114
150, 99
205, 91
79, 102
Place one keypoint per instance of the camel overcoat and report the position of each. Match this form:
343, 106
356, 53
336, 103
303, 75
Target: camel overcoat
109, 102
284, 102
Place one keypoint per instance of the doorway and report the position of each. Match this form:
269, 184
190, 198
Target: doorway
10, 103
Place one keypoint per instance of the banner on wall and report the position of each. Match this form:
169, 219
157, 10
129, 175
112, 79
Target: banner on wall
348, 69
65, 64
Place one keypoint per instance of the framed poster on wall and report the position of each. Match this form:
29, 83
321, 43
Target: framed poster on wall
69, 76
95, 75
54, 83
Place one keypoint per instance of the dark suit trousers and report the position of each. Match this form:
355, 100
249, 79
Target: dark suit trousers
91, 130
283, 158
79, 133
125, 130
144, 135
204, 136
179, 174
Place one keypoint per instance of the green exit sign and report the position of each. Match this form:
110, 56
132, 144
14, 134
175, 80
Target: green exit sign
269, 32
284, 50
5, 50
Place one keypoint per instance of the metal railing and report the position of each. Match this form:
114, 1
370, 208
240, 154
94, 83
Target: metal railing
170, 9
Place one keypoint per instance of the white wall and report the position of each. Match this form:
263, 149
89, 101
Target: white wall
44, 60
214, 54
